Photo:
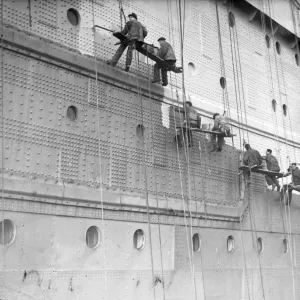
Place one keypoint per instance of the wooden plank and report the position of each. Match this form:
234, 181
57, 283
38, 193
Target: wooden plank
147, 50
259, 170
208, 131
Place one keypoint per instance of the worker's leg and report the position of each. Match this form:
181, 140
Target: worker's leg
131, 46
276, 183
117, 55
164, 75
156, 73
221, 142
213, 139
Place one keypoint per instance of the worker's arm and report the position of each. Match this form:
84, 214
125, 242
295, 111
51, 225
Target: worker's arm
245, 159
179, 109
145, 32
125, 30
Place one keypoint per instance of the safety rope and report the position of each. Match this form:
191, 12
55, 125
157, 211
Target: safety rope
155, 181
275, 123
251, 203
227, 109
188, 236
138, 86
100, 157
2, 141
287, 152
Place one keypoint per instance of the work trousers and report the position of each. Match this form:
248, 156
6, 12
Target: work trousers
131, 46
164, 70
272, 180
219, 140
289, 188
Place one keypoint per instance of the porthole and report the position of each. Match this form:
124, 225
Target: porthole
223, 82
284, 109
191, 69
278, 47
230, 244
267, 38
140, 131
72, 113
7, 232
285, 246
196, 242
93, 237
260, 246
231, 19
297, 59
73, 16
139, 239
274, 104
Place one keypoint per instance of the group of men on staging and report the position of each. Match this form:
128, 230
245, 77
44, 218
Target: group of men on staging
136, 32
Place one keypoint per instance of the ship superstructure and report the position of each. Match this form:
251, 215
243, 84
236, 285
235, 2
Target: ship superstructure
98, 199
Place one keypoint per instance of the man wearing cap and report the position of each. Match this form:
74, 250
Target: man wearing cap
221, 124
294, 185
272, 165
135, 32
191, 120
166, 53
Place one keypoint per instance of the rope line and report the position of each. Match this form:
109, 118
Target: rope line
100, 157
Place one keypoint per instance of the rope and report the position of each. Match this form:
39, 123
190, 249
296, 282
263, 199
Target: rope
285, 136
155, 178
137, 60
99, 157
2, 134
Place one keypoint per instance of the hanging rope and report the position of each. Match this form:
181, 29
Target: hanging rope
2, 141
155, 181
100, 158
288, 162
137, 61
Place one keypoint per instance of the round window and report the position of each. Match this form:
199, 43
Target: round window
72, 113
260, 246
284, 108
93, 237
191, 69
231, 19
73, 16
223, 82
285, 246
140, 131
196, 242
230, 244
278, 47
274, 104
7, 232
267, 38
139, 239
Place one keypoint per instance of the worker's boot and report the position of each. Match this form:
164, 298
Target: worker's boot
127, 68
109, 62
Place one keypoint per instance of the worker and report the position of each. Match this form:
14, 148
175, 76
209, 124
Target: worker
191, 120
251, 158
221, 124
272, 165
135, 32
294, 185
166, 53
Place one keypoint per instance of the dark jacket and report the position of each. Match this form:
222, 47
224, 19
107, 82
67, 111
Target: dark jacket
296, 176
166, 51
192, 116
272, 163
252, 157
135, 30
